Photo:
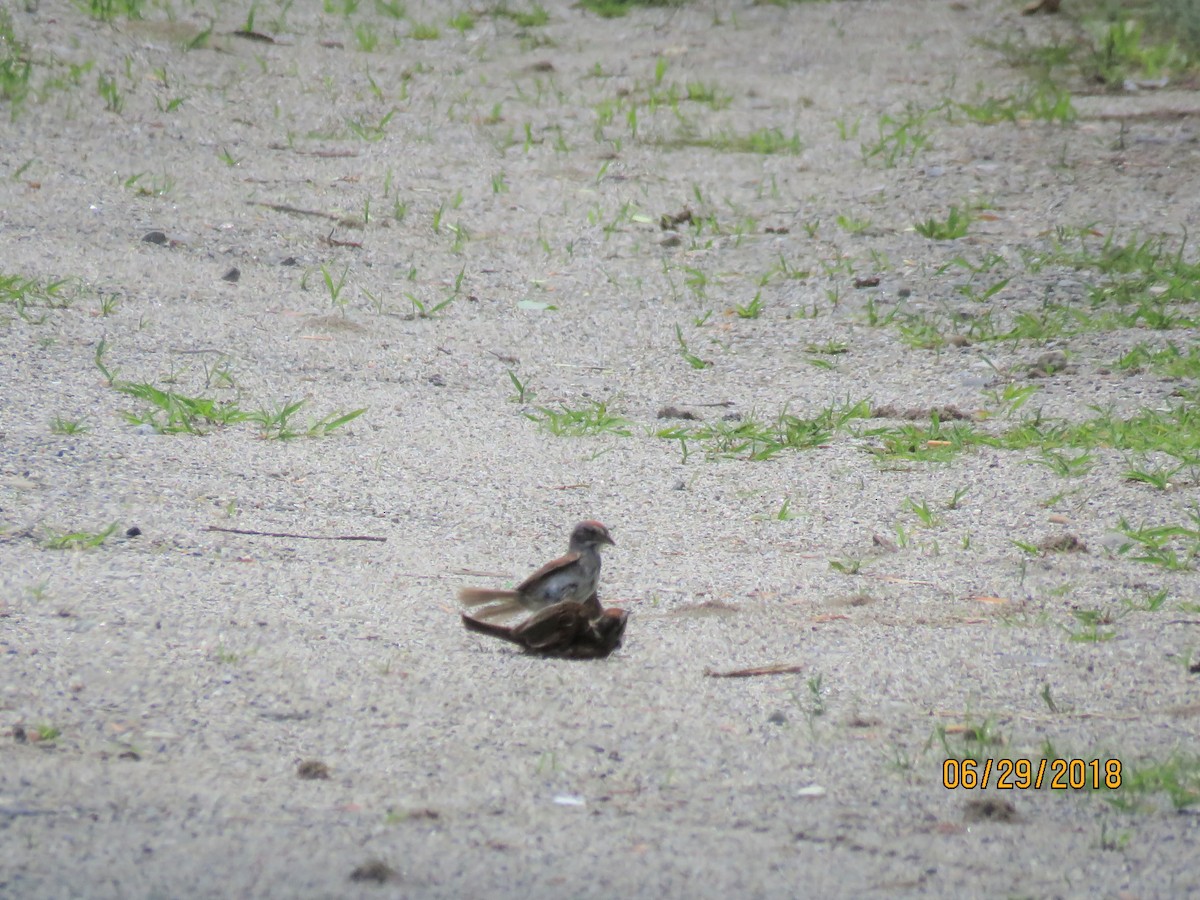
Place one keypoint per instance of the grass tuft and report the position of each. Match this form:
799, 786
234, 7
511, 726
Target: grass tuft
588, 420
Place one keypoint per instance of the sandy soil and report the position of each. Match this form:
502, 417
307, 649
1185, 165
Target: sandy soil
179, 678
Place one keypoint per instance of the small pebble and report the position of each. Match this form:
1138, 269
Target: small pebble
674, 412
373, 870
988, 809
313, 770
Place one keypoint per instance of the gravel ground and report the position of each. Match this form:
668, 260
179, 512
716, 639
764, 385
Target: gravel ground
160, 692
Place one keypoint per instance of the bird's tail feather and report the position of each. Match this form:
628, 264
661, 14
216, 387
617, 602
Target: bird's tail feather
502, 603
499, 631
479, 596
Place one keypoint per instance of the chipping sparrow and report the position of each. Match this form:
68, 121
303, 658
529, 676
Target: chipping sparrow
572, 577
570, 629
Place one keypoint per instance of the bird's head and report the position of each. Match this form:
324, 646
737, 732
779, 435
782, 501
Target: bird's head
590, 533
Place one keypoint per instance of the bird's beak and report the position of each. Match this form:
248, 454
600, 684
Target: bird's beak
608, 540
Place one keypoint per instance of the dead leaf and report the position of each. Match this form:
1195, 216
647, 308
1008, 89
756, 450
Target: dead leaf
1037, 6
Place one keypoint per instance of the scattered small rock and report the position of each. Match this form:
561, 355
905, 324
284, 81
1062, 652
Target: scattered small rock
232, 276
1062, 543
988, 809
313, 770
154, 237
884, 543
1041, 6
542, 65
857, 721
1049, 363
777, 229
674, 412
131, 755
855, 600
777, 718
289, 261
133, 531
374, 870
866, 281
671, 240
19, 734
668, 221
436, 380
917, 413
285, 715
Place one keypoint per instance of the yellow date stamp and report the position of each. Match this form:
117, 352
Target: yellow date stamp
1028, 774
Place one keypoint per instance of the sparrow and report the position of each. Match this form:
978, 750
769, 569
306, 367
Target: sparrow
570, 578
570, 630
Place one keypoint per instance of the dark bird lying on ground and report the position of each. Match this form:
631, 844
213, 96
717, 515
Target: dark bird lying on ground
570, 577
570, 630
